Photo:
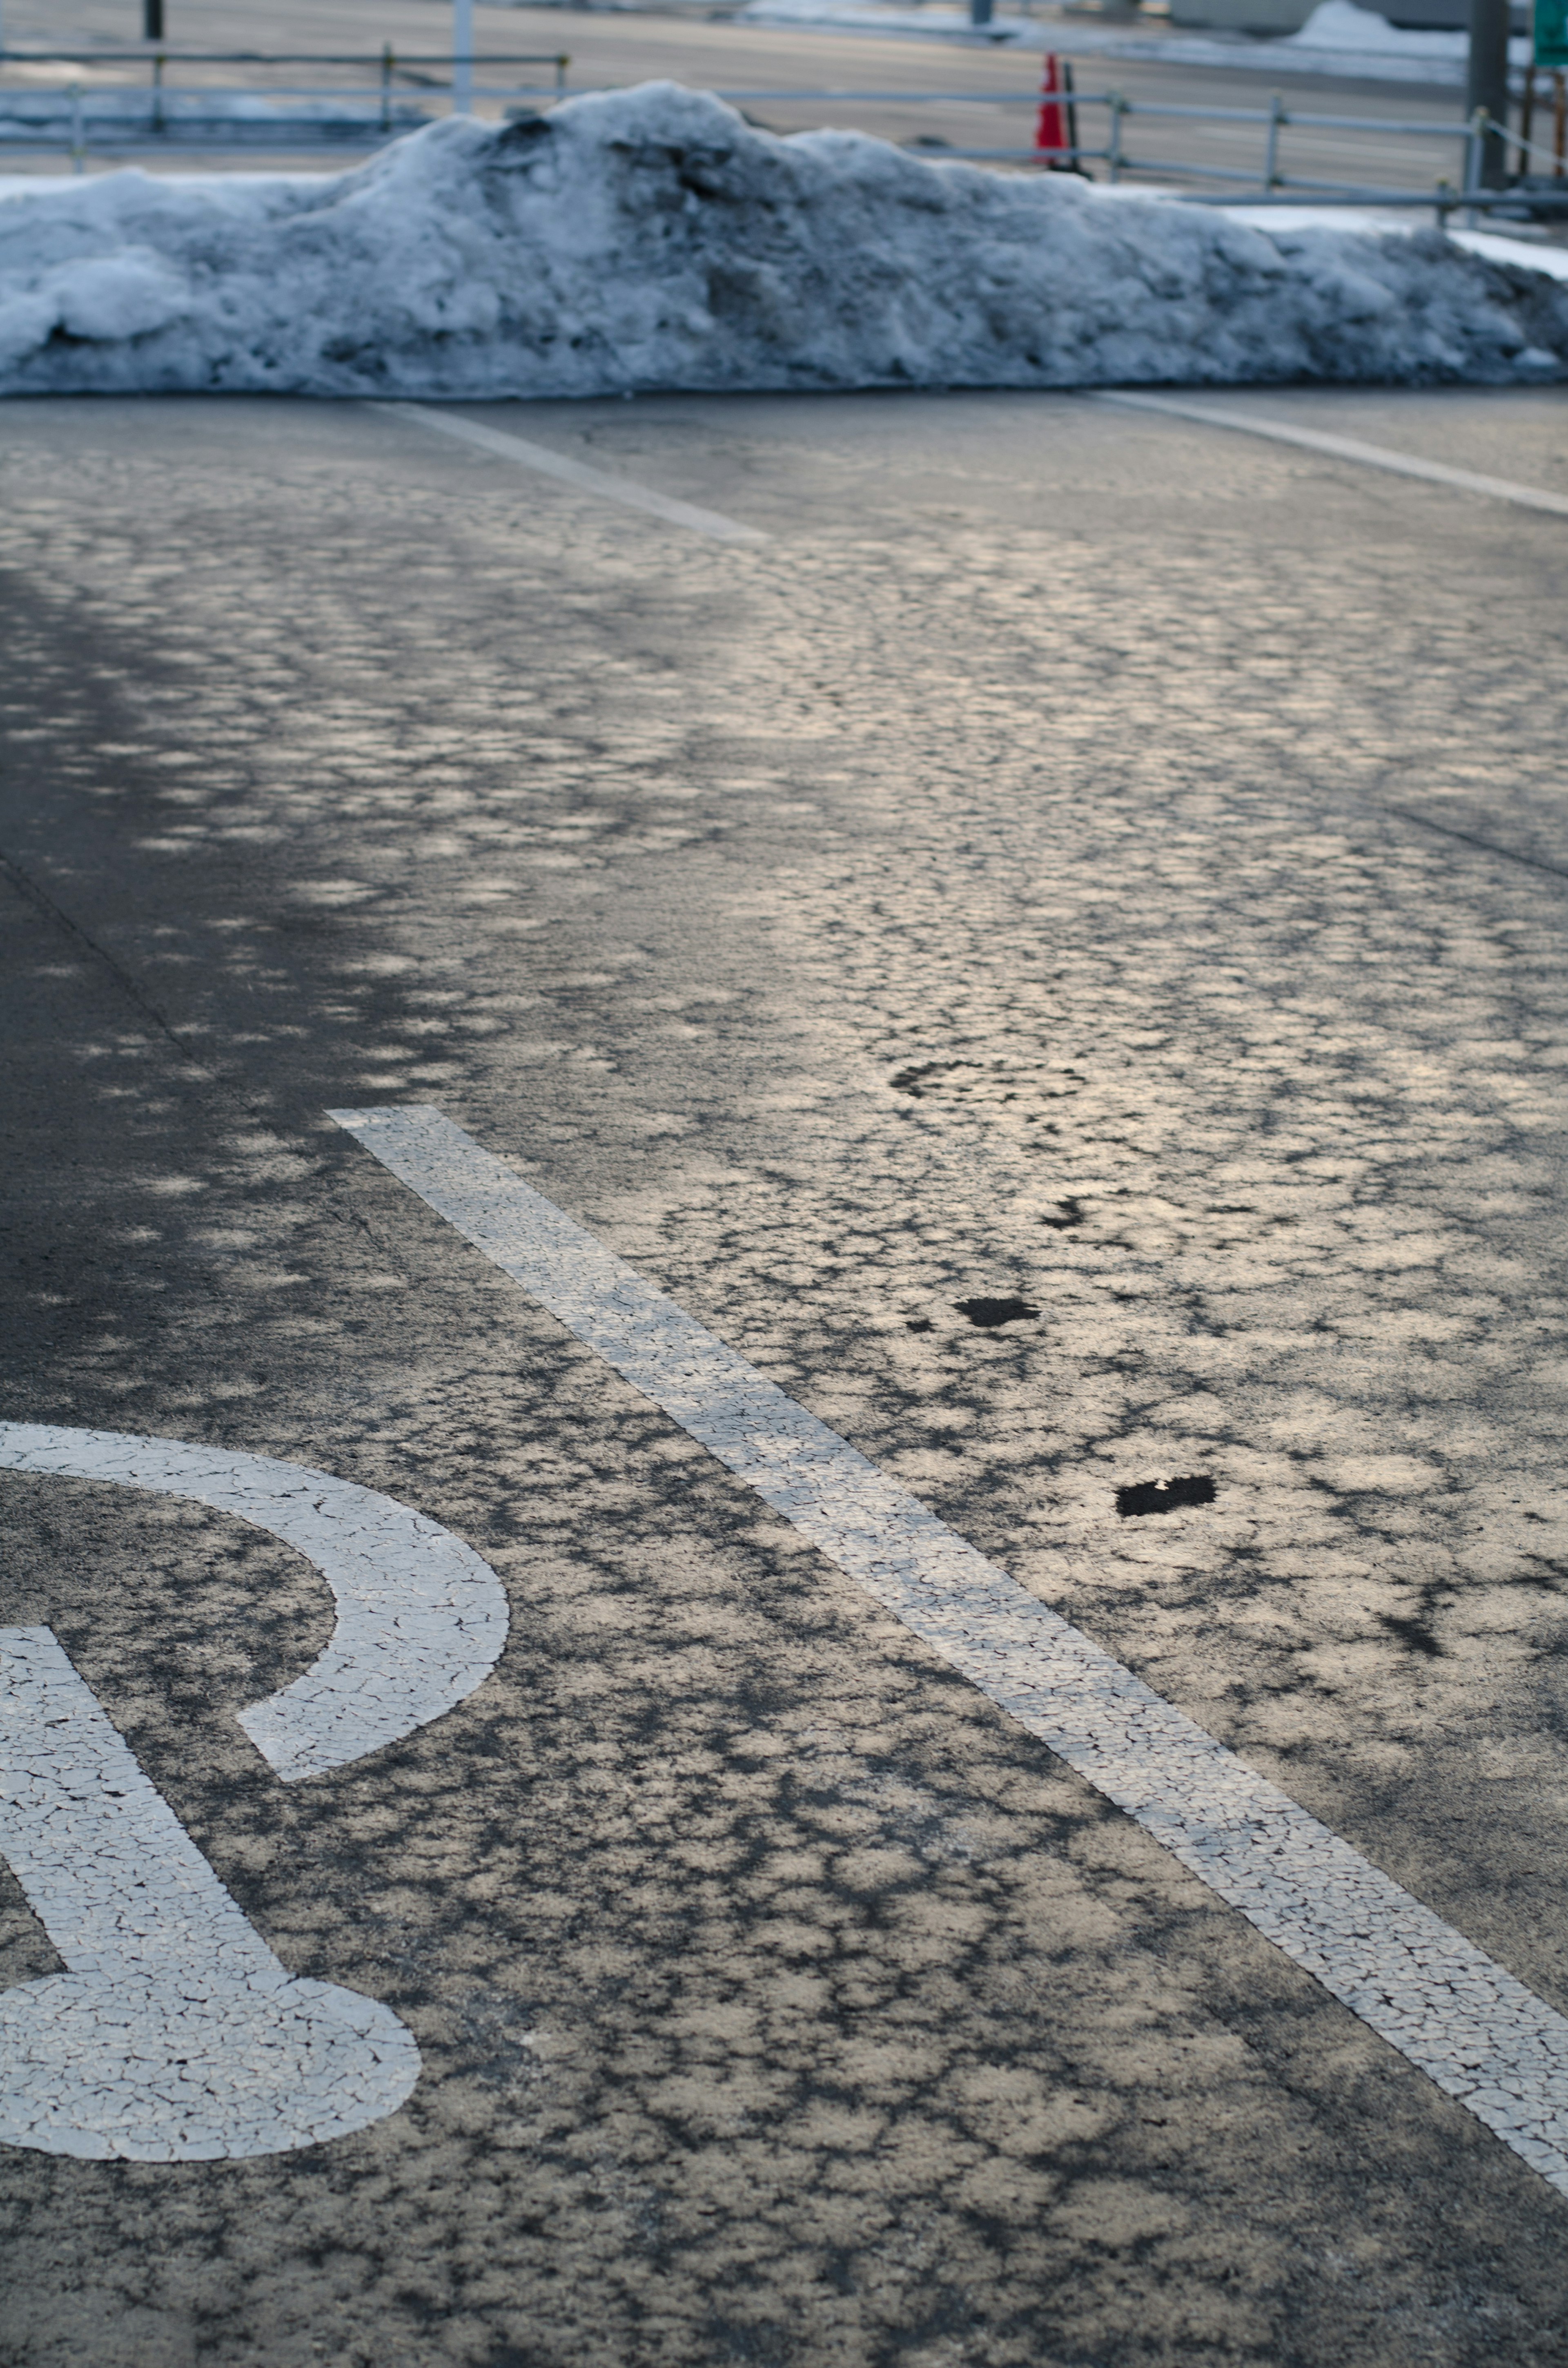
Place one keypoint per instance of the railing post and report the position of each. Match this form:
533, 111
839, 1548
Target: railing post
1474, 144
158, 92
1276, 116
560, 65
462, 57
386, 86
1113, 158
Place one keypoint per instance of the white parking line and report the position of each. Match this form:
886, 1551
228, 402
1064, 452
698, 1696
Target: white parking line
174, 2035
530, 455
420, 1618
1343, 448
1465, 2021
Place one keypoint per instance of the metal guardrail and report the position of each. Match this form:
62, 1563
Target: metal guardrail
317, 115
1268, 184
375, 114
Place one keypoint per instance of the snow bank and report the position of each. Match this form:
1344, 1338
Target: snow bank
649, 239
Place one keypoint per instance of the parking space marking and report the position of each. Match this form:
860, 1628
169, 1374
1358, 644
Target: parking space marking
174, 2035
1462, 2019
1343, 448
527, 454
421, 1618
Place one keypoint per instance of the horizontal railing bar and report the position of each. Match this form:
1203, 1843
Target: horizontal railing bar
202, 131
1427, 127
1328, 193
1123, 163
153, 56
1250, 174
1086, 99
166, 97
893, 98
1295, 181
1003, 155
1138, 165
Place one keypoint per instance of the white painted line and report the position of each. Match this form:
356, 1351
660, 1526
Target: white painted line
1344, 448
174, 2035
530, 455
1464, 2021
420, 1618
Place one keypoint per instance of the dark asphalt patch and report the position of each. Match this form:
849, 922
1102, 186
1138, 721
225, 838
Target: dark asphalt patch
989, 1312
1163, 1496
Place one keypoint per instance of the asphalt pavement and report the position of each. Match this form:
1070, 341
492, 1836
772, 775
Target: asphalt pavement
1080, 859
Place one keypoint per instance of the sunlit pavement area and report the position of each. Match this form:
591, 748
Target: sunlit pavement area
1081, 858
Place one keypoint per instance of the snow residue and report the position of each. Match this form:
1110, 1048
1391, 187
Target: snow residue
650, 239
1341, 26
1498, 246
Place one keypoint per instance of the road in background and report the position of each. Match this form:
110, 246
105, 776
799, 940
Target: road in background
708, 53
1082, 858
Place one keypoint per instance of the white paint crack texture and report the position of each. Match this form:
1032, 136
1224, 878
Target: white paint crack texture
1460, 2018
174, 2033
420, 1617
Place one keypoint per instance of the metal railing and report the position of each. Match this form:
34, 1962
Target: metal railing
1267, 182
124, 118
110, 120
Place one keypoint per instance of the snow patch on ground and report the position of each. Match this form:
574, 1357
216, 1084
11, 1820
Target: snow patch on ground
1341, 25
1497, 246
650, 239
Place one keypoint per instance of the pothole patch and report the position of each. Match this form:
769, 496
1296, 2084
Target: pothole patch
988, 1314
1163, 1496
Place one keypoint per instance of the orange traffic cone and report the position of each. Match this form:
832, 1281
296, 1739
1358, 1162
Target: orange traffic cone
1055, 132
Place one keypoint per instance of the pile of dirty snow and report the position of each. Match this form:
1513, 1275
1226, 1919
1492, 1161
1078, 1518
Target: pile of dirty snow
649, 238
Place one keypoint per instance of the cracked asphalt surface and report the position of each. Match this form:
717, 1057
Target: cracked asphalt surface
1083, 860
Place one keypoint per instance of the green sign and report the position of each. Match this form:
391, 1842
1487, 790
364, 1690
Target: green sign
1549, 25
